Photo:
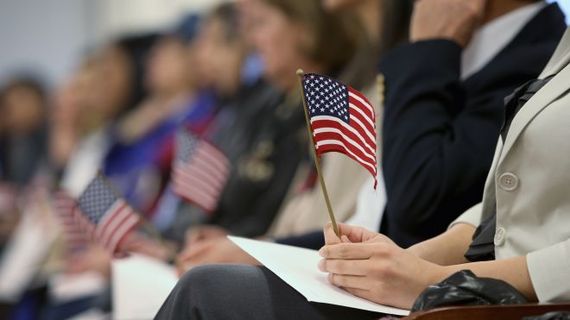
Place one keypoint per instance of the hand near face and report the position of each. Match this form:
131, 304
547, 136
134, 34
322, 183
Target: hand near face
454, 20
372, 267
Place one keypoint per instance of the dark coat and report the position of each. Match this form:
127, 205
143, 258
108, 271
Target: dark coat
440, 132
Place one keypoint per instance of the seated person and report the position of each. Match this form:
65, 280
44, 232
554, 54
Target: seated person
142, 152
23, 128
522, 236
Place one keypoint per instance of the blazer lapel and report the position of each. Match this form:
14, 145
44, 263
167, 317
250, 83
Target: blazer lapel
549, 93
559, 57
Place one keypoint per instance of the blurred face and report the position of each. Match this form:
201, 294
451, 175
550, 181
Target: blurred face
23, 110
335, 5
280, 43
168, 67
112, 82
218, 59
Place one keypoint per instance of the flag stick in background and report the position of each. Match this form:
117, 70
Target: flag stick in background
381, 90
300, 73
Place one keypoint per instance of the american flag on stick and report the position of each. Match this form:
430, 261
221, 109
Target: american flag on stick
106, 218
200, 171
342, 120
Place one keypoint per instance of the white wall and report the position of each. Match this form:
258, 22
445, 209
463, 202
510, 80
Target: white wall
48, 37
43, 35
128, 16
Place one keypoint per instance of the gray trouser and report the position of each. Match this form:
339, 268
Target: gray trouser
244, 292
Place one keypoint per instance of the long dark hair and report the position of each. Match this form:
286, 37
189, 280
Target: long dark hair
395, 16
395, 27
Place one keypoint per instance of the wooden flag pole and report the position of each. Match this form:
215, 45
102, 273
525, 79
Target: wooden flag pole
301, 73
381, 90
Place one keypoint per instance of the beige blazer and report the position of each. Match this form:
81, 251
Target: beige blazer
530, 183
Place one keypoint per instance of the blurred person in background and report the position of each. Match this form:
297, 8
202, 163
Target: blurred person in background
23, 145
103, 89
222, 56
23, 142
139, 162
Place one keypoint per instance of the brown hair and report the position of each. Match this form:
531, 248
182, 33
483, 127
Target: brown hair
335, 37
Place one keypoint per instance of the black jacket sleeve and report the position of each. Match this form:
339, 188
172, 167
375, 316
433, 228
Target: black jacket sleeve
439, 136
311, 240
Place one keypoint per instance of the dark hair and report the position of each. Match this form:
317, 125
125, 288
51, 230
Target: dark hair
395, 16
30, 83
395, 26
335, 36
227, 14
136, 48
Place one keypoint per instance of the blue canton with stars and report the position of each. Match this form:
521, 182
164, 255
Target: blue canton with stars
186, 143
97, 198
326, 97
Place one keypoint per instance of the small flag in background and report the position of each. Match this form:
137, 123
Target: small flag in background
76, 229
200, 171
109, 218
342, 120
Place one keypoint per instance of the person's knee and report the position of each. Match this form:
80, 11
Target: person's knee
209, 283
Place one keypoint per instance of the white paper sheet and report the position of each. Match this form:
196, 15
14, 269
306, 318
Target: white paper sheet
65, 287
26, 251
298, 267
140, 286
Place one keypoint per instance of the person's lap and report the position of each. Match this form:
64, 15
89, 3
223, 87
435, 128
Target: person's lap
244, 292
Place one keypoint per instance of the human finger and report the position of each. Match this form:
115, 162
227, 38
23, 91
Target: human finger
346, 267
347, 281
347, 251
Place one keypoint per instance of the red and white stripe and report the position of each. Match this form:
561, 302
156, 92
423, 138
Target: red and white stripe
357, 139
76, 230
116, 223
202, 179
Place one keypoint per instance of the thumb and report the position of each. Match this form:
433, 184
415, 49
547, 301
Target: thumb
330, 235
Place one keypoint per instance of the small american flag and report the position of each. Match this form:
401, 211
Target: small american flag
108, 218
76, 229
342, 120
200, 171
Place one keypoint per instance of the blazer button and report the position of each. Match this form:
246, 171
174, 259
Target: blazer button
499, 239
508, 181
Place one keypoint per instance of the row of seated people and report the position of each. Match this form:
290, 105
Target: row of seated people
232, 81
449, 96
